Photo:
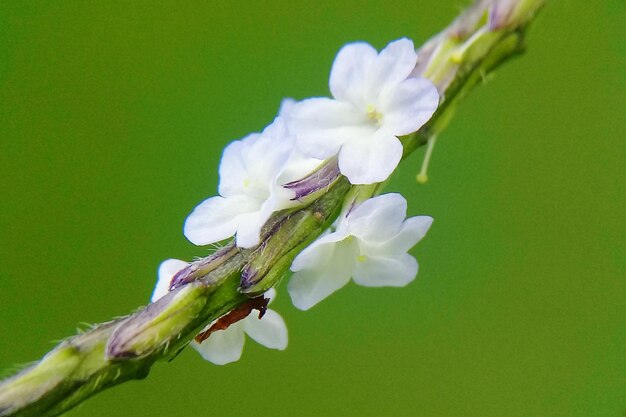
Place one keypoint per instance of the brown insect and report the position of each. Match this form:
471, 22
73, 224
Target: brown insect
238, 313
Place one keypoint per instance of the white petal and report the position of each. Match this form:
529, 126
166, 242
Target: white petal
249, 230
385, 272
392, 66
251, 165
322, 125
270, 331
222, 346
217, 218
348, 74
378, 219
308, 287
370, 159
413, 230
271, 294
233, 168
318, 252
270, 153
326, 143
277, 131
408, 105
169, 267
250, 225
167, 270
286, 105
298, 167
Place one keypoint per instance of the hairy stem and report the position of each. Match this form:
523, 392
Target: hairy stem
486, 34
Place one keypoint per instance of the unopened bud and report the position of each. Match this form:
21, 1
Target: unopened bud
199, 269
318, 180
264, 271
510, 14
160, 325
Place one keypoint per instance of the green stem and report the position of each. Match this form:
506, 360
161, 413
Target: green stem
479, 40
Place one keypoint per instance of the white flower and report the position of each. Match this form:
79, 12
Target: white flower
251, 173
370, 246
375, 101
225, 346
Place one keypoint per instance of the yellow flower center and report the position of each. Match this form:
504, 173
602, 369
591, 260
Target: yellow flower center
373, 114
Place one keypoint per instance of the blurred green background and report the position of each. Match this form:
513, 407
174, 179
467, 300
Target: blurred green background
112, 120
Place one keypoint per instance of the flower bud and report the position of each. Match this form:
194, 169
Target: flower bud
198, 269
510, 14
318, 180
160, 324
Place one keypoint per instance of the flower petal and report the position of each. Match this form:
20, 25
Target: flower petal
392, 65
270, 153
385, 272
308, 287
286, 105
378, 219
217, 218
242, 171
348, 76
233, 168
167, 270
250, 224
249, 231
298, 167
408, 105
270, 294
322, 125
269, 331
413, 230
370, 159
318, 252
223, 346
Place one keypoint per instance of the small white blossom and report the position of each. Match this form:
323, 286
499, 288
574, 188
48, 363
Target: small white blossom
225, 346
370, 246
375, 100
251, 173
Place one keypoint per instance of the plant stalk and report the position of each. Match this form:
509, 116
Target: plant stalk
485, 35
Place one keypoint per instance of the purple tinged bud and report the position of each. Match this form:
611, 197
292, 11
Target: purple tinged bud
509, 14
198, 269
184, 276
159, 326
499, 15
249, 277
318, 180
